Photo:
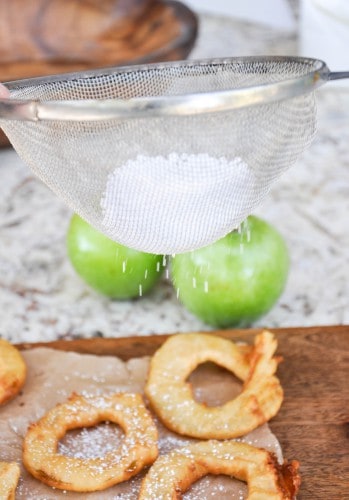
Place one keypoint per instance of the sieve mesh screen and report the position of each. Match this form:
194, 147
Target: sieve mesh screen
167, 184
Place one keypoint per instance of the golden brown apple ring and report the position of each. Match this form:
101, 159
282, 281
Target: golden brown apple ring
138, 449
9, 476
172, 399
172, 474
12, 371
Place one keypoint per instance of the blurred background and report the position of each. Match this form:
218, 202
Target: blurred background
41, 298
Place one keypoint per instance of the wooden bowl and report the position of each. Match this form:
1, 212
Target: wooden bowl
43, 38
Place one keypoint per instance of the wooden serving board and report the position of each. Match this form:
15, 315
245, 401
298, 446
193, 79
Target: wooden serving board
313, 423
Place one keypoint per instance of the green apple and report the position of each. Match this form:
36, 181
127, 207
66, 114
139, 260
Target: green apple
108, 267
235, 280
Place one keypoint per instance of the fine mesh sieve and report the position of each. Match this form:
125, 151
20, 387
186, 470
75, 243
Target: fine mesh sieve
169, 157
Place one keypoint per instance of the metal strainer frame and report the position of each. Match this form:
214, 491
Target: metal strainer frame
185, 104
166, 157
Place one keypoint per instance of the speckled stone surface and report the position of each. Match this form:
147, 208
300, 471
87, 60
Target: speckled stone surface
41, 298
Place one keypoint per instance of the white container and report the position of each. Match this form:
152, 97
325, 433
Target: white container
324, 32
274, 13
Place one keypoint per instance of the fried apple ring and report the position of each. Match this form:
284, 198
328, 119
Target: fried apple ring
172, 474
12, 371
139, 447
172, 399
9, 477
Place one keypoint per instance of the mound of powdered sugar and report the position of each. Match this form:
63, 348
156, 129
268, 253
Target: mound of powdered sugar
177, 203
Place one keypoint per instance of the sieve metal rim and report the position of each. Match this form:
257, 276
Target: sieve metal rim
157, 106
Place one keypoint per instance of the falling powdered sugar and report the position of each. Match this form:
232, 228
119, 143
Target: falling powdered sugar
177, 203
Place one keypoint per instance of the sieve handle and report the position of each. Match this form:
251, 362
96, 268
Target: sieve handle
338, 75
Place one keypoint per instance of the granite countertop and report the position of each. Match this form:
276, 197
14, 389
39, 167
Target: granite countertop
41, 298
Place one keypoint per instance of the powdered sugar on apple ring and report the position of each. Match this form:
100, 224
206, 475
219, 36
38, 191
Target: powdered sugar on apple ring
9, 477
174, 473
12, 371
138, 449
171, 395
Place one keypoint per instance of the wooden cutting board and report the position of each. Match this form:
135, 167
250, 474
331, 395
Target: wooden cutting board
313, 423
